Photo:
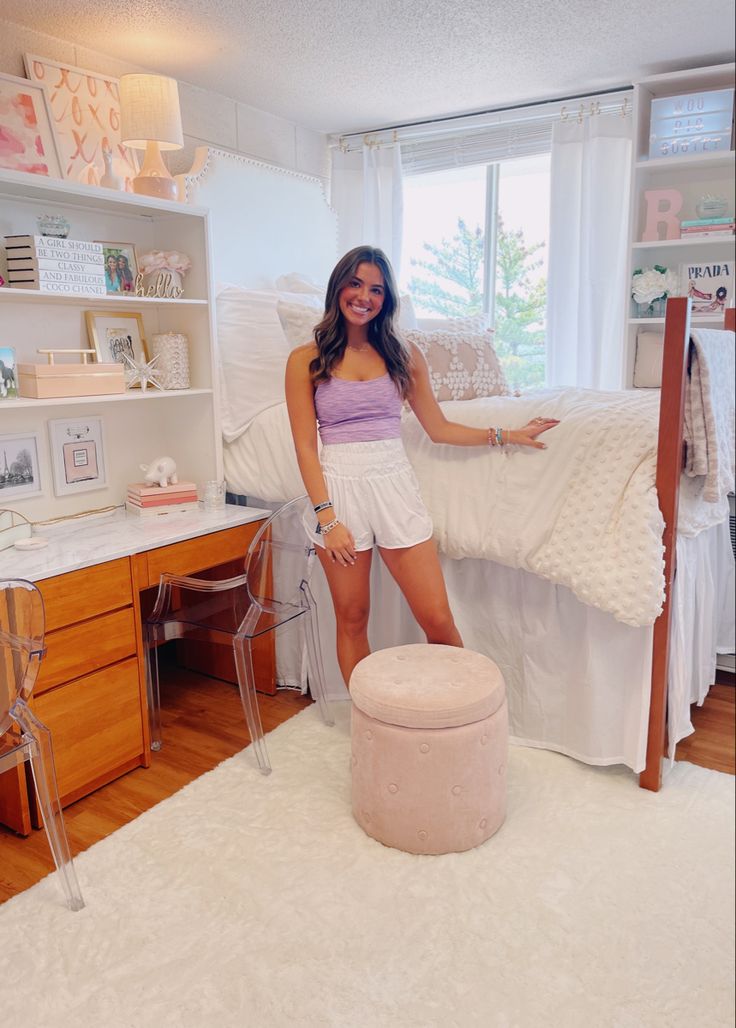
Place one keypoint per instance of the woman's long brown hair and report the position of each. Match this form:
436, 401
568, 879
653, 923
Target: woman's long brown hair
330, 335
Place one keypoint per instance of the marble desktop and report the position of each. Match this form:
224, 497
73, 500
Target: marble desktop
94, 540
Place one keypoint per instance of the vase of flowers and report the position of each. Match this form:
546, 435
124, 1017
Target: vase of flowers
650, 288
162, 272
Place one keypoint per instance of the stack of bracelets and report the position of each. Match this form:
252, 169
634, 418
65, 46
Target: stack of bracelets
496, 438
324, 529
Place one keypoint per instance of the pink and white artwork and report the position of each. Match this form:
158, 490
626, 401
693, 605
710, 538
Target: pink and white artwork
85, 107
26, 134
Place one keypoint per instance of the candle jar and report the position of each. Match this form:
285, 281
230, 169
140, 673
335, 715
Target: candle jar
172, 351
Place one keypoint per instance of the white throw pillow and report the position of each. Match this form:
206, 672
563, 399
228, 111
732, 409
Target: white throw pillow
462, 365
296, 283
648, 363
299, 319
252, 351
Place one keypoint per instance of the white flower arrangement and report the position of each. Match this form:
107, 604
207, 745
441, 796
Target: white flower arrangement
164, 260
650, 284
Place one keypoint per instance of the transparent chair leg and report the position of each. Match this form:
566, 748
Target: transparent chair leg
314, 654
152, 686
44, 778
242, 648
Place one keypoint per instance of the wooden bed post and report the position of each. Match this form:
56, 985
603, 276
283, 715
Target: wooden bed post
669, 468
730, 320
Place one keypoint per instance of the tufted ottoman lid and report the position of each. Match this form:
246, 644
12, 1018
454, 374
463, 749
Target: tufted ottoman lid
427, 686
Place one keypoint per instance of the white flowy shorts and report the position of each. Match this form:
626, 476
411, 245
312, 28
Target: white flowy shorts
375, 494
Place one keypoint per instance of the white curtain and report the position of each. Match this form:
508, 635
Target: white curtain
588, 252
367, 195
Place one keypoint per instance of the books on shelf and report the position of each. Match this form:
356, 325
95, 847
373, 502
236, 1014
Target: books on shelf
709, 286
720, 233
696, 222
70, 267
703, 228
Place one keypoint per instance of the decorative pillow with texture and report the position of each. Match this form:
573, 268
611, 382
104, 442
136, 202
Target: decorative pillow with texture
648, 363
470, 323
462, 365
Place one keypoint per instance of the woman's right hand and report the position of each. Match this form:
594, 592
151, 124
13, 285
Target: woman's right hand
340, 545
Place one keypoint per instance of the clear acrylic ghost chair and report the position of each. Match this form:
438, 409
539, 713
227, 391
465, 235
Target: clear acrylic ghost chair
22, 736
272, 593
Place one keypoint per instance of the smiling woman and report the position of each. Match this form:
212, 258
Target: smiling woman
351, 381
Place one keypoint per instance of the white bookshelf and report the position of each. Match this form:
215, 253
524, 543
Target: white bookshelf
693, 175
137, 425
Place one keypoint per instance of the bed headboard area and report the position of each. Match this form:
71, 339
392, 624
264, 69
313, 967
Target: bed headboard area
265, 221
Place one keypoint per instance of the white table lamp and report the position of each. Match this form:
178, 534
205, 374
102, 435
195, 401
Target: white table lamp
150, 120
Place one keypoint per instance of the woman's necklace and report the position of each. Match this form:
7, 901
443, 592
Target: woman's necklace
358, 349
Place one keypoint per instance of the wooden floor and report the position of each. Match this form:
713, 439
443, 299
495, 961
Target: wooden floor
196, 740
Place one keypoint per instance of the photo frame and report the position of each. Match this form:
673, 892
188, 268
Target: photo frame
8, 374
121, 267
26, 124
20, 474
85, 112
113, 333
77, 455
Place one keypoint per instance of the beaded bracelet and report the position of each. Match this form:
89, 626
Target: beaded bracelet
322, 506
495, 437
324, 529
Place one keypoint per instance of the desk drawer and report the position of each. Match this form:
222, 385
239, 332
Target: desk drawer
96, 728
82, 649
83, 594
206, 551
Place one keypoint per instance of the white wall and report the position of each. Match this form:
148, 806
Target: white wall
206, 117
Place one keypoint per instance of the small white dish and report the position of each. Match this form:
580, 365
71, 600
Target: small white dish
34, 542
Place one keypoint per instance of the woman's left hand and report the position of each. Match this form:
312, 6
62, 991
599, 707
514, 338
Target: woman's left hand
527, 435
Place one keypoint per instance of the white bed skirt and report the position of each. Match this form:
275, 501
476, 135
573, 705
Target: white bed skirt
578, 681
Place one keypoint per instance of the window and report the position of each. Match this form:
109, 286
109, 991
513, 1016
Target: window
461, 223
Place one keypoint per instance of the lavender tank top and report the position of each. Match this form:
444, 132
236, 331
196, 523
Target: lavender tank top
351, 411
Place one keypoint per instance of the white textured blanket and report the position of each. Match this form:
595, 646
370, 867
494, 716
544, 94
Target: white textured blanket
583, 513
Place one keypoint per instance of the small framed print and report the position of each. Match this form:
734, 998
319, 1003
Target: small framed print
26, 128
77, 455
19, 470
8, 378
114, 333
121, 268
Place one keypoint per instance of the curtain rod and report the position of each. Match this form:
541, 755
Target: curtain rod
479, 114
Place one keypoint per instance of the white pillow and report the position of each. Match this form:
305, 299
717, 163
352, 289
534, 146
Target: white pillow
298, 319
252, 352
296, 283
648, 363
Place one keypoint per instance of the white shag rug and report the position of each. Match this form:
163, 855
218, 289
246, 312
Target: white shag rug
251, 901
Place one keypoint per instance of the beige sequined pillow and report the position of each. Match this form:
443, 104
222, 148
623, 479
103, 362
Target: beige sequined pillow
462, 365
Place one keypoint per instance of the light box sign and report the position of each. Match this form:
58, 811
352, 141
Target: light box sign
691, 123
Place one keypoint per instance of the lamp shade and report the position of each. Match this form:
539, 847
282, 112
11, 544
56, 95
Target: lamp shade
149, 112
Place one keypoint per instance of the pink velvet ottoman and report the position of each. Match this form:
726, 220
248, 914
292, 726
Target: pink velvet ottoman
430, 744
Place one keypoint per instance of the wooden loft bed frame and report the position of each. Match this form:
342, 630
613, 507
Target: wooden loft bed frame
669, 469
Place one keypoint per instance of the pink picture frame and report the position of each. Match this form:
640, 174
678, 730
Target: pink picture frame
27, 140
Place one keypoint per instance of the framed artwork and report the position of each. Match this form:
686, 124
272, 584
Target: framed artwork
121, 267
113, 333
27, 141
77, 455
85, 109
19, 470
8, 379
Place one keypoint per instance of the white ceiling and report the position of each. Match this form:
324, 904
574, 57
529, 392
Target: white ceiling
342, 65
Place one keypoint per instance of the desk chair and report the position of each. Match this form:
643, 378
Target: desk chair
273, 592
22, 736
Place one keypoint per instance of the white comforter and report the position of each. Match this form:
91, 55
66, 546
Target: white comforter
583, 513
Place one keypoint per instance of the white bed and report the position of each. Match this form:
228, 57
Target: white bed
555, 577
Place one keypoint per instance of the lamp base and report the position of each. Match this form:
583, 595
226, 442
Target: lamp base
154, 178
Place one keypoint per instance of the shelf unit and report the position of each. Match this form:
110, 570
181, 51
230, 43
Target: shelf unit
137, 425
691, 174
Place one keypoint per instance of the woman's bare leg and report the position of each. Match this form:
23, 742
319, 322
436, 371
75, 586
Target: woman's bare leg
417, 572
350, 589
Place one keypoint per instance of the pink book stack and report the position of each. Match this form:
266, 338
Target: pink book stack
150, 500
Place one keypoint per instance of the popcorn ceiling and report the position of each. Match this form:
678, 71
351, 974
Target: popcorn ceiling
347, 65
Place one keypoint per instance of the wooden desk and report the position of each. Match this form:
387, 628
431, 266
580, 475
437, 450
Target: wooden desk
91, 690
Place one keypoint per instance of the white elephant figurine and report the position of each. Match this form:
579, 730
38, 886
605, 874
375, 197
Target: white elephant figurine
161, 471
